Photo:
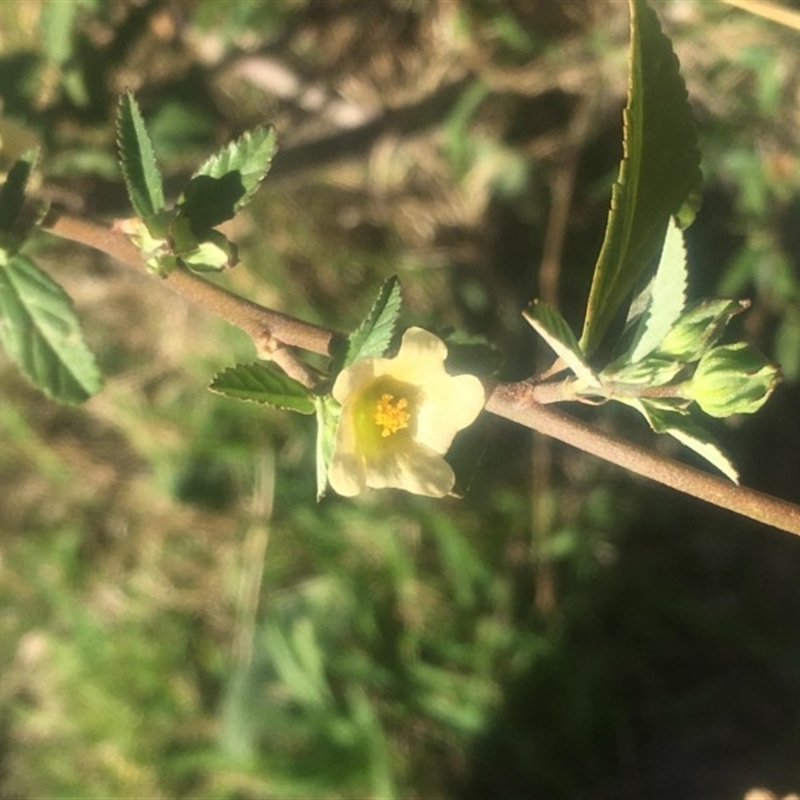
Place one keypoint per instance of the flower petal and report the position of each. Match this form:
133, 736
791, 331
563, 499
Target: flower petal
346, 474
449, 405
351, 379
420, 358
415, 468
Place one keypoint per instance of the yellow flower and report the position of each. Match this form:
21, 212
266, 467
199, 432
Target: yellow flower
399, 417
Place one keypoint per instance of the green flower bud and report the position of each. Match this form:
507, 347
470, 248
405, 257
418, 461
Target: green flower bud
733, 379
698, 329
213, 254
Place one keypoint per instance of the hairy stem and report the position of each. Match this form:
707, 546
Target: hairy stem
263, 325
521, 402
516, 401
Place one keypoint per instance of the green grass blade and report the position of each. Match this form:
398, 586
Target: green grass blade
40, 331
138, 160
658, 175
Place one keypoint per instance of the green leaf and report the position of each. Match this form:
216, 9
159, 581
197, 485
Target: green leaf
12, 193
262, 382
553, 328
248, 159
137, 159
328, 413
661, 303
658, 174
649, 371
683, 427
208, 201
40, 331
211, 255
374, 336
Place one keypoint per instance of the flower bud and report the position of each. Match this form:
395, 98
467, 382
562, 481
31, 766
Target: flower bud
733, 379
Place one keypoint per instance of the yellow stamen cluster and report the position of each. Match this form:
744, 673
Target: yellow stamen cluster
390, 415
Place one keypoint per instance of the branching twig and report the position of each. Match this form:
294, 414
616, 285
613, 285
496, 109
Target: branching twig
518, 402
270, 330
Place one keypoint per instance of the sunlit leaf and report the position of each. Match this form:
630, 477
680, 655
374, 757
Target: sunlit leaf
137, 159
553, 328
328, 413
682, 426
40, 331
212, 254
208, 256
372, 338
664, 298
649, 371
659, 173
262, 382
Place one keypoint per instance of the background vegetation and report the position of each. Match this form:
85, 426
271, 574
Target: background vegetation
178, 618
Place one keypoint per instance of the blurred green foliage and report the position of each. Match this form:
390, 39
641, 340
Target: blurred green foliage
178, 618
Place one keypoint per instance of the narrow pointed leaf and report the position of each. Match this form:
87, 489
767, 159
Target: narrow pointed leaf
553, 328
262, 382
39, 330
372, 338
658, 175
649, 371
137, 159
683, 427
665, 295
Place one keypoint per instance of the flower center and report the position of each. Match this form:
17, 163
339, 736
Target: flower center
390, 415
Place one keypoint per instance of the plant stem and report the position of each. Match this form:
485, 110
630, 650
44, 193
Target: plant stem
263, 325
516, 402
519, 402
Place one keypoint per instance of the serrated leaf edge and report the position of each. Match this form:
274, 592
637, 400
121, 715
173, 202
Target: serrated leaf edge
232, 393
87, 387
145, 156
389, 289
227, 150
